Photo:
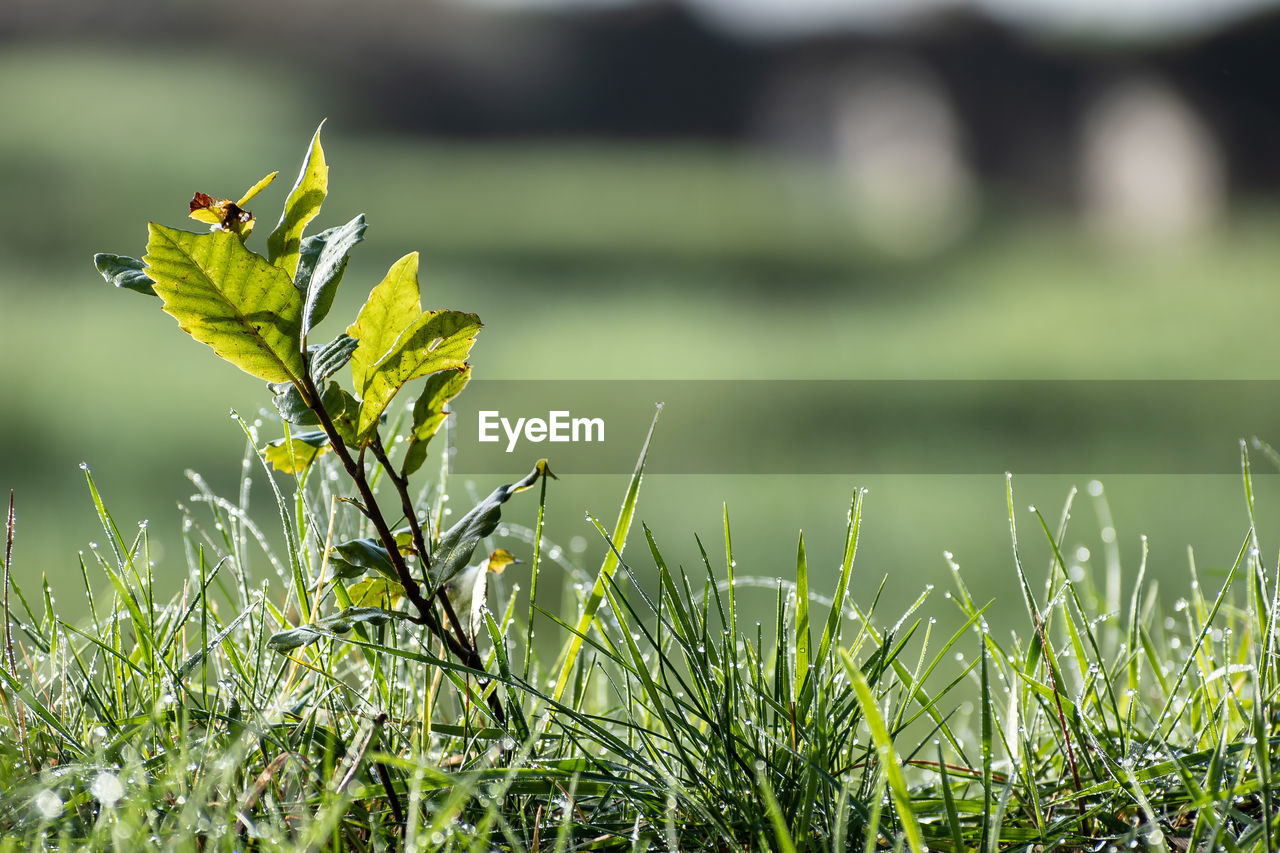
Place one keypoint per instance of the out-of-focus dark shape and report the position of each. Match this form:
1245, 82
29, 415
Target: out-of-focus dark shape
923, 122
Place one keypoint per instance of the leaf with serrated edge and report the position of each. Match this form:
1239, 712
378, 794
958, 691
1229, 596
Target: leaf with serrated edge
391, 307
300, 207
123, 271
322, 260
229, 298
438, 340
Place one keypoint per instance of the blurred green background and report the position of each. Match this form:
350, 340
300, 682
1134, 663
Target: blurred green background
625, 253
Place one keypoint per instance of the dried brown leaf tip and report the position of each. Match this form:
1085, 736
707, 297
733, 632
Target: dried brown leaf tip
201, 201
221, 213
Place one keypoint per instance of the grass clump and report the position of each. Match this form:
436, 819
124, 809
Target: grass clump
669, 718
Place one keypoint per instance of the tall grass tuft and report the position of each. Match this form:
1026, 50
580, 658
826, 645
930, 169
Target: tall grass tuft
669, 719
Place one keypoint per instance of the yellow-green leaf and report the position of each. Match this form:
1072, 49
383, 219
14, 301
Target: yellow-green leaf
438, 340
429, 413
300, 207
375, 592
391, 307
293, 455
226, 296
256, 188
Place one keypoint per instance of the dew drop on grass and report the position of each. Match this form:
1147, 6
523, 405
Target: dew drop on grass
48, 804
106, 789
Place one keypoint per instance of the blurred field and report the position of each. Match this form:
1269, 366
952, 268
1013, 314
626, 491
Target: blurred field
616, 262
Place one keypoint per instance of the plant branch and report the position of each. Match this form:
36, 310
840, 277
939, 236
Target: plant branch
356, 472
419, 541
465, 652
472, 655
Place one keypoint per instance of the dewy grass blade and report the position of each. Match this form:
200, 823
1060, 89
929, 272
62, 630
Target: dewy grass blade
949, 804
781, 835
803, 637
609, 566
889, 761
533, 577
730, 566
41, 710
985, 701
831, 633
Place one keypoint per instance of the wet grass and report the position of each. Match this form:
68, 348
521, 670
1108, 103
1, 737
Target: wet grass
647, 712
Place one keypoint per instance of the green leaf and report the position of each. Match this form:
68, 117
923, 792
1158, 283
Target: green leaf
347, 618
375, 592
226, 296
391, 307
429, 413
289, 403
322, 259
355, 557
438, 340
293, 638
454, 548
330, 358
123, 271
256, 188
294, 454
300, 207
339, 623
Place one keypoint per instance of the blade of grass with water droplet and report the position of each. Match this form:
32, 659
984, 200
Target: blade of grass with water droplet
889, 761
609, 566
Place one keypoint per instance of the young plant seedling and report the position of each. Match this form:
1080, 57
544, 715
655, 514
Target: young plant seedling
258, 311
